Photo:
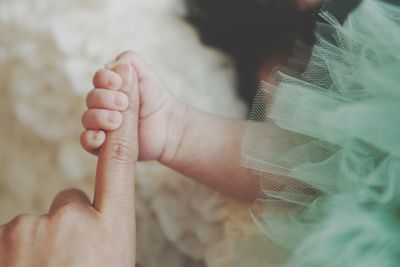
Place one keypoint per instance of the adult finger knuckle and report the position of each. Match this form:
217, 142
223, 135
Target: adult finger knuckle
121, 151
68, 213
68, 193
69, 197
22, 221
20, 227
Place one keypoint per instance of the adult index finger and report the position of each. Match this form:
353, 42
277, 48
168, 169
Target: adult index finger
115, 183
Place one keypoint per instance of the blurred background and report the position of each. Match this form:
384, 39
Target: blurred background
49, 51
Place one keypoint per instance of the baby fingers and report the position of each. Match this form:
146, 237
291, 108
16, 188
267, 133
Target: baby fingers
101, 119
107, 99
107, 79
91, 141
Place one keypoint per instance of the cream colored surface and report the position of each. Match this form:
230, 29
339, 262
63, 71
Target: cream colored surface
48, 52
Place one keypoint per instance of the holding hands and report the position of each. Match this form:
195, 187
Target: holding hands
75, 231
160, 117
200, 145
130, 117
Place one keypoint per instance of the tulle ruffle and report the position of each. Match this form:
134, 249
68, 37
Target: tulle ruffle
327, 144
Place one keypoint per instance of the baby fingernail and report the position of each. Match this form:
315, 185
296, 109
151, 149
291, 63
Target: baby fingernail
125, 71
121, 102
112, 83
97, 136
113, 118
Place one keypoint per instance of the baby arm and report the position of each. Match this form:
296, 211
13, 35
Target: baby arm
197, 144
209, 151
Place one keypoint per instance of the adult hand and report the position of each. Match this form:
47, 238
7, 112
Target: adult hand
77, 232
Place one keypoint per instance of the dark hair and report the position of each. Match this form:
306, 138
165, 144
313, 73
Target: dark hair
251, 32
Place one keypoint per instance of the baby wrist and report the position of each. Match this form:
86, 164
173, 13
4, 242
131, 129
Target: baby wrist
177, 127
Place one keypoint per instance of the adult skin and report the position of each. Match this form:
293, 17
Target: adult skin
75, 231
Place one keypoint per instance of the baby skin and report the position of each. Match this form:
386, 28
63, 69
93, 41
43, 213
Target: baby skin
197, 144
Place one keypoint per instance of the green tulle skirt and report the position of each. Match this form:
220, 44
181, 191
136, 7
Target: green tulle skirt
327, 144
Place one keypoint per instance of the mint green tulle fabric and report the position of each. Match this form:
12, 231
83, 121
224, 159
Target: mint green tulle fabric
327, 145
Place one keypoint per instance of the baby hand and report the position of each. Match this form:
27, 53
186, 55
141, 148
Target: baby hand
161, 116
